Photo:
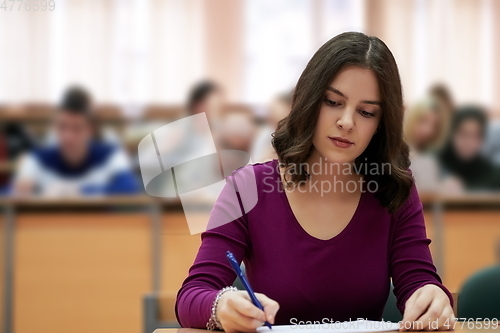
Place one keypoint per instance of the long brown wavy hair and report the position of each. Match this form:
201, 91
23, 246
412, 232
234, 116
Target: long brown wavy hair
293, 138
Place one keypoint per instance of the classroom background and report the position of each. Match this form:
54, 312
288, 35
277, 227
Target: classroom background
95, 262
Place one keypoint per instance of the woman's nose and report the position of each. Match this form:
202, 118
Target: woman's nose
346, 121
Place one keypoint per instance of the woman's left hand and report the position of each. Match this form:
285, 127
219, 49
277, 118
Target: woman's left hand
428, 308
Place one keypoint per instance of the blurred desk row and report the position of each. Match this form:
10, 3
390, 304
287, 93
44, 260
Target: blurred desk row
91, 261
37, 118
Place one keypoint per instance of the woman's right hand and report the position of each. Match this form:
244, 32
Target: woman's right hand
236, 312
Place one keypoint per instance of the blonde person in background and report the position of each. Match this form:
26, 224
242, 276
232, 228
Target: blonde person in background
425, 129
262, 149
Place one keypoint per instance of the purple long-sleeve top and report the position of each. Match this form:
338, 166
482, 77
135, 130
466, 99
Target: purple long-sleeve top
342, 278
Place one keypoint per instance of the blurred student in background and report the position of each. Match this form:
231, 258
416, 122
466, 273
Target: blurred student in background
14, 141
462, 162
492, 145
237, 131
204, 97
77, 164
230, 129
443, 97
207, 96
262, 149
194, 139
104, 134
425, 130
425, 126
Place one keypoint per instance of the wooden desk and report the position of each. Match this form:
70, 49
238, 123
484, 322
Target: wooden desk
458, 329
468, 199
464, 230
86, 261
81, 260
78, 201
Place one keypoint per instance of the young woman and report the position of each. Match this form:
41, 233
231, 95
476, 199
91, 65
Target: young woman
319, 253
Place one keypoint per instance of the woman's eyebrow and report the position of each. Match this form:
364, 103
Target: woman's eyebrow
372, 102
338, 92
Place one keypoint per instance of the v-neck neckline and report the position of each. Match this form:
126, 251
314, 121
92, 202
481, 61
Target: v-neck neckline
303, 232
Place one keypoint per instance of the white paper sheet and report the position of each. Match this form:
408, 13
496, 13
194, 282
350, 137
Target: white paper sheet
335, 327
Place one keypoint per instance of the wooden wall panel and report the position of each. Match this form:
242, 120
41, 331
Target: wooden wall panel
88, 272
178, 253
469, 244
81, 272
470, 239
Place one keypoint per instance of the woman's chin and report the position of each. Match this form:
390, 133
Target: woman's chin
337, 158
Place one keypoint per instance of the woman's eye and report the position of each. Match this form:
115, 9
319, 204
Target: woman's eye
331, 103
366, 113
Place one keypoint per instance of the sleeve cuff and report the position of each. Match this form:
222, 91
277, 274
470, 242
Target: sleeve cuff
440, 285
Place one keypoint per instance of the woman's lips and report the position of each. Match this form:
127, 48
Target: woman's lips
341, 142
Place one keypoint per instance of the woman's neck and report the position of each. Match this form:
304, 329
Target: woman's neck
333, 177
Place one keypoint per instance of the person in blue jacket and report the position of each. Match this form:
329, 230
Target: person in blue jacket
77, 164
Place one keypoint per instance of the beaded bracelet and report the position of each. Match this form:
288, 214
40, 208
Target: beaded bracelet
213, 323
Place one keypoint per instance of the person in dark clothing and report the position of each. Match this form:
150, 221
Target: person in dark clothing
17, 141
14, 141
461, 156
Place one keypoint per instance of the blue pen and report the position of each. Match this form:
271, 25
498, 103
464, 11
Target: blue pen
237, 270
